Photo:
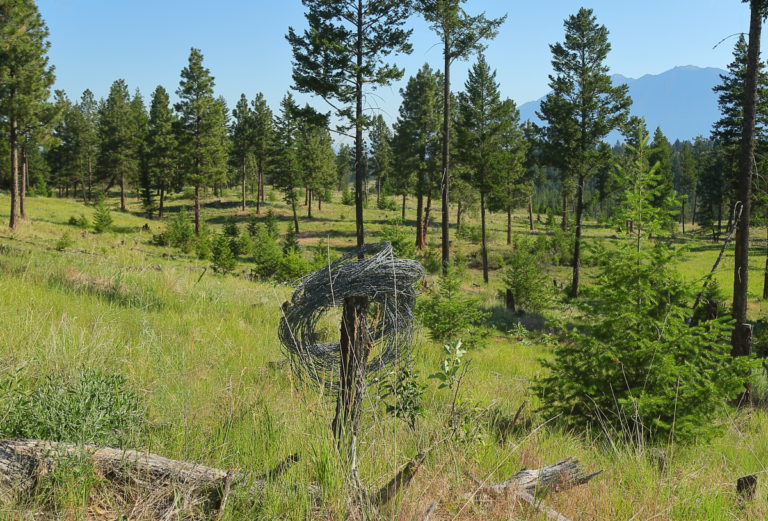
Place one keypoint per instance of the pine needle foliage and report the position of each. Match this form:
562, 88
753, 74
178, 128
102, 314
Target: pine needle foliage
639, 371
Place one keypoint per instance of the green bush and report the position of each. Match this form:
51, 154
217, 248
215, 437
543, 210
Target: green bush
290, 242
386, 203
472, 233
64, 242
102, 219
241, 245
403, 243
230, 227
89, 407
180, 232
266, 254
222, 258
431, 259
270, 221
451, 315
347, 197
81, 221
525, 277
292, 266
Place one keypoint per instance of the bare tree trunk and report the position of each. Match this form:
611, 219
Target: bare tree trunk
425, 222
295, 216
122, 192
530, 213
682, 221
445, 242
564, 223
577, 241
13, 141
693, 209
244, 180
197, 209
309, 203
160, 212
419, 221
509, 225
741, 341
485, 244
403, 215
24, 180
359, 222
458, 218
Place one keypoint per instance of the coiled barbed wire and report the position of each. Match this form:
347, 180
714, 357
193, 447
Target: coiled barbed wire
387, 281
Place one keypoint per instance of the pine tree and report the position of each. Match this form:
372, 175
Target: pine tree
203, 125
242, 142
89, 138
286, 165
381, 153
689, 171
461, 35
263, 135
140, 127
117, 160
661, 153
582, 109
480, 134
341, 54
161, 145
416, 142
25, 78
318, 162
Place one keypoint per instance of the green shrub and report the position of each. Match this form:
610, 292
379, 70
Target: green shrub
203, 246
81, 221
431, 259
102, 219
561, 246
230, 227
638, 370
270, 221
222, 258
290, 242
451, 315
241, 245
347, 197
89, 407
402, 393
403, 243
386, 203
266, 254
180, 233
64, 242
525, 278
472, 233
292, 266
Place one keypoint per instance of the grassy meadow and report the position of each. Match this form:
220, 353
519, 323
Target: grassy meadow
201, 349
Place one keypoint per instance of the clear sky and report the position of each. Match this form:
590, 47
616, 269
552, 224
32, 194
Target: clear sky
147, 42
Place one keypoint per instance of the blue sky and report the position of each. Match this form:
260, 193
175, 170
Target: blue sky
146, 42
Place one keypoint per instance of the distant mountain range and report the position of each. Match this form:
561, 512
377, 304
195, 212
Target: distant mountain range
680, 101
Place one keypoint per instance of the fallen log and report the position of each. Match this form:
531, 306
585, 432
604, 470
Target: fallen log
530, 485
22, 462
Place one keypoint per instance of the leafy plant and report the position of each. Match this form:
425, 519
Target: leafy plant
452, 315
290, 242
180, 232
88, 407
64, 242
402, 393
230, 227
347, 197
81, 221
402, 241
525, 278
221, 254
102, 219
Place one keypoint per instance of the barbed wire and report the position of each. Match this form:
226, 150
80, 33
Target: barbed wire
387, 282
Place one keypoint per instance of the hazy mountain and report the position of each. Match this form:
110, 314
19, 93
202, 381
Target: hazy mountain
680, 101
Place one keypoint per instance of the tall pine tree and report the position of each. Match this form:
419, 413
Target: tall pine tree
161, 145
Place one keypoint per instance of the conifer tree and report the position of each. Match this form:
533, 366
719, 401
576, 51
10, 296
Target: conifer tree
203, 125
25, 78
161, 145
318, 162
242, 142
661, 154
263, 135
460, 35
689, 170
381, 154
140, 128
480, 135
286, 165
89, 138
416, 141
117, 160
582, 109
341, 54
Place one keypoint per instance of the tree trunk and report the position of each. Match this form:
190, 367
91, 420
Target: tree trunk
564, 222
682, 221
693, 209
244, 180
160, 211
122, 192
403, 215
485, 244
309, 204
419, 221
577, 241
13, 142
359, 223
741, 342
90, 178
458, 218
295, 216
445, 242
425, 222
355, 346
509, 225
197, 209
510, 300
24, 180
530, 213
